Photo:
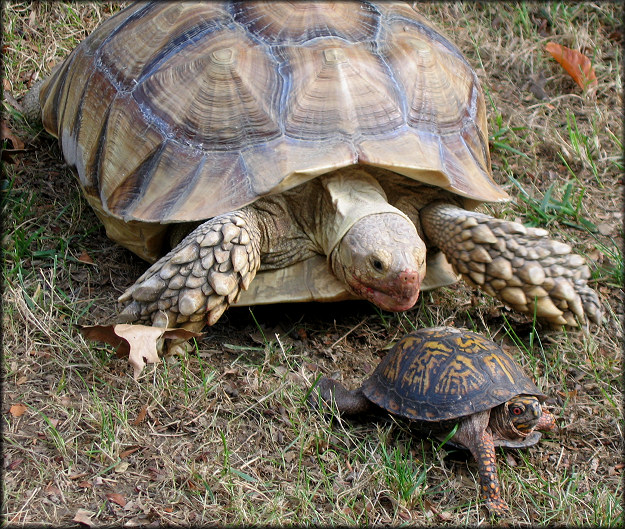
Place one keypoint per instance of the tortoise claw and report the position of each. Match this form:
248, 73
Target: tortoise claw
521, 266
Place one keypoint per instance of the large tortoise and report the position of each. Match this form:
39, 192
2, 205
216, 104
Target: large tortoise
323, 150
441, 378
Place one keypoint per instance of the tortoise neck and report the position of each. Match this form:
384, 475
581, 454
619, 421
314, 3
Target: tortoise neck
350, 194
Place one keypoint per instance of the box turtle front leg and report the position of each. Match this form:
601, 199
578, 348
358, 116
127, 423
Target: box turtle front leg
196, 281
473, 433
519, 265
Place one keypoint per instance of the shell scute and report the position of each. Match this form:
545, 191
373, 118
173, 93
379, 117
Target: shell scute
154, 33
299, 22
230, 96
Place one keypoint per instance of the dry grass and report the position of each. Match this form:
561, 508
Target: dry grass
222, 436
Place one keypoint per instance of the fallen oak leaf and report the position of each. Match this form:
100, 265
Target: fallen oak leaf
140, 343
577, 65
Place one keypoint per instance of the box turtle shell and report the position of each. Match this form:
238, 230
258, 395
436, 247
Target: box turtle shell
445, 373
442, 378
259, 152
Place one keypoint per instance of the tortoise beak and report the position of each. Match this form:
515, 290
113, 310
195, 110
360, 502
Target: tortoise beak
398, 295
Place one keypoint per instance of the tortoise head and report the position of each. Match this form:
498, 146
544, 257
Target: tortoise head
521, 416
382, 259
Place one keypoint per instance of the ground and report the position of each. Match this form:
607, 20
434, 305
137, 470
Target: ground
223, 434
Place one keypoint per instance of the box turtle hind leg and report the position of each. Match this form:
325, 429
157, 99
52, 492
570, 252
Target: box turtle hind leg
520, 266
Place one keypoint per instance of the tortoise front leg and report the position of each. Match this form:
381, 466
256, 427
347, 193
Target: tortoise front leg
474, 434
519, 265
197, 280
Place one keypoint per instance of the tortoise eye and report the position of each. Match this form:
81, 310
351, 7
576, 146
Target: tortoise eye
377, 264
516, 410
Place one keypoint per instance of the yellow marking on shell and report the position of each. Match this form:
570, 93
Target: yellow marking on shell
470, 344
416, 375
334, 55
456, 375
496, 359
223, 56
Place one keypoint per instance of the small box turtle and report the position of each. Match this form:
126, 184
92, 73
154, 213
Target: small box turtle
442, 377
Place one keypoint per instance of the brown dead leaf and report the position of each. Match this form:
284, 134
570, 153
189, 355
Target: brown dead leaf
141, 416
7, 134
83, 516
129, 451
14, 464
17, 410
142, 341
106, 334
84, 257
52, 489
576, 64
138, 342
11, 144
117, 498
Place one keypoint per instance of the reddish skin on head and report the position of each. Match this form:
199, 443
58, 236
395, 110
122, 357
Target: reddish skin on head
395, 296
382, 259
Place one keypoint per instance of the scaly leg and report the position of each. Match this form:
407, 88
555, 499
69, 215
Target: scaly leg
197, 281
348, 402
518, 265
474, 434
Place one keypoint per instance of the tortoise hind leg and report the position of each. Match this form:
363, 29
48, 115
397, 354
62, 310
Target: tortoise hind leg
199, 278
519, 265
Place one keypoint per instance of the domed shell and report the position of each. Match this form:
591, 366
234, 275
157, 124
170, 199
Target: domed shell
445, 373
180, 111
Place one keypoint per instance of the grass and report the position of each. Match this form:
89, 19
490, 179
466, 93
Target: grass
222, 435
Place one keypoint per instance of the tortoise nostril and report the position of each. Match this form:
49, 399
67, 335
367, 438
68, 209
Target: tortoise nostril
409, 277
